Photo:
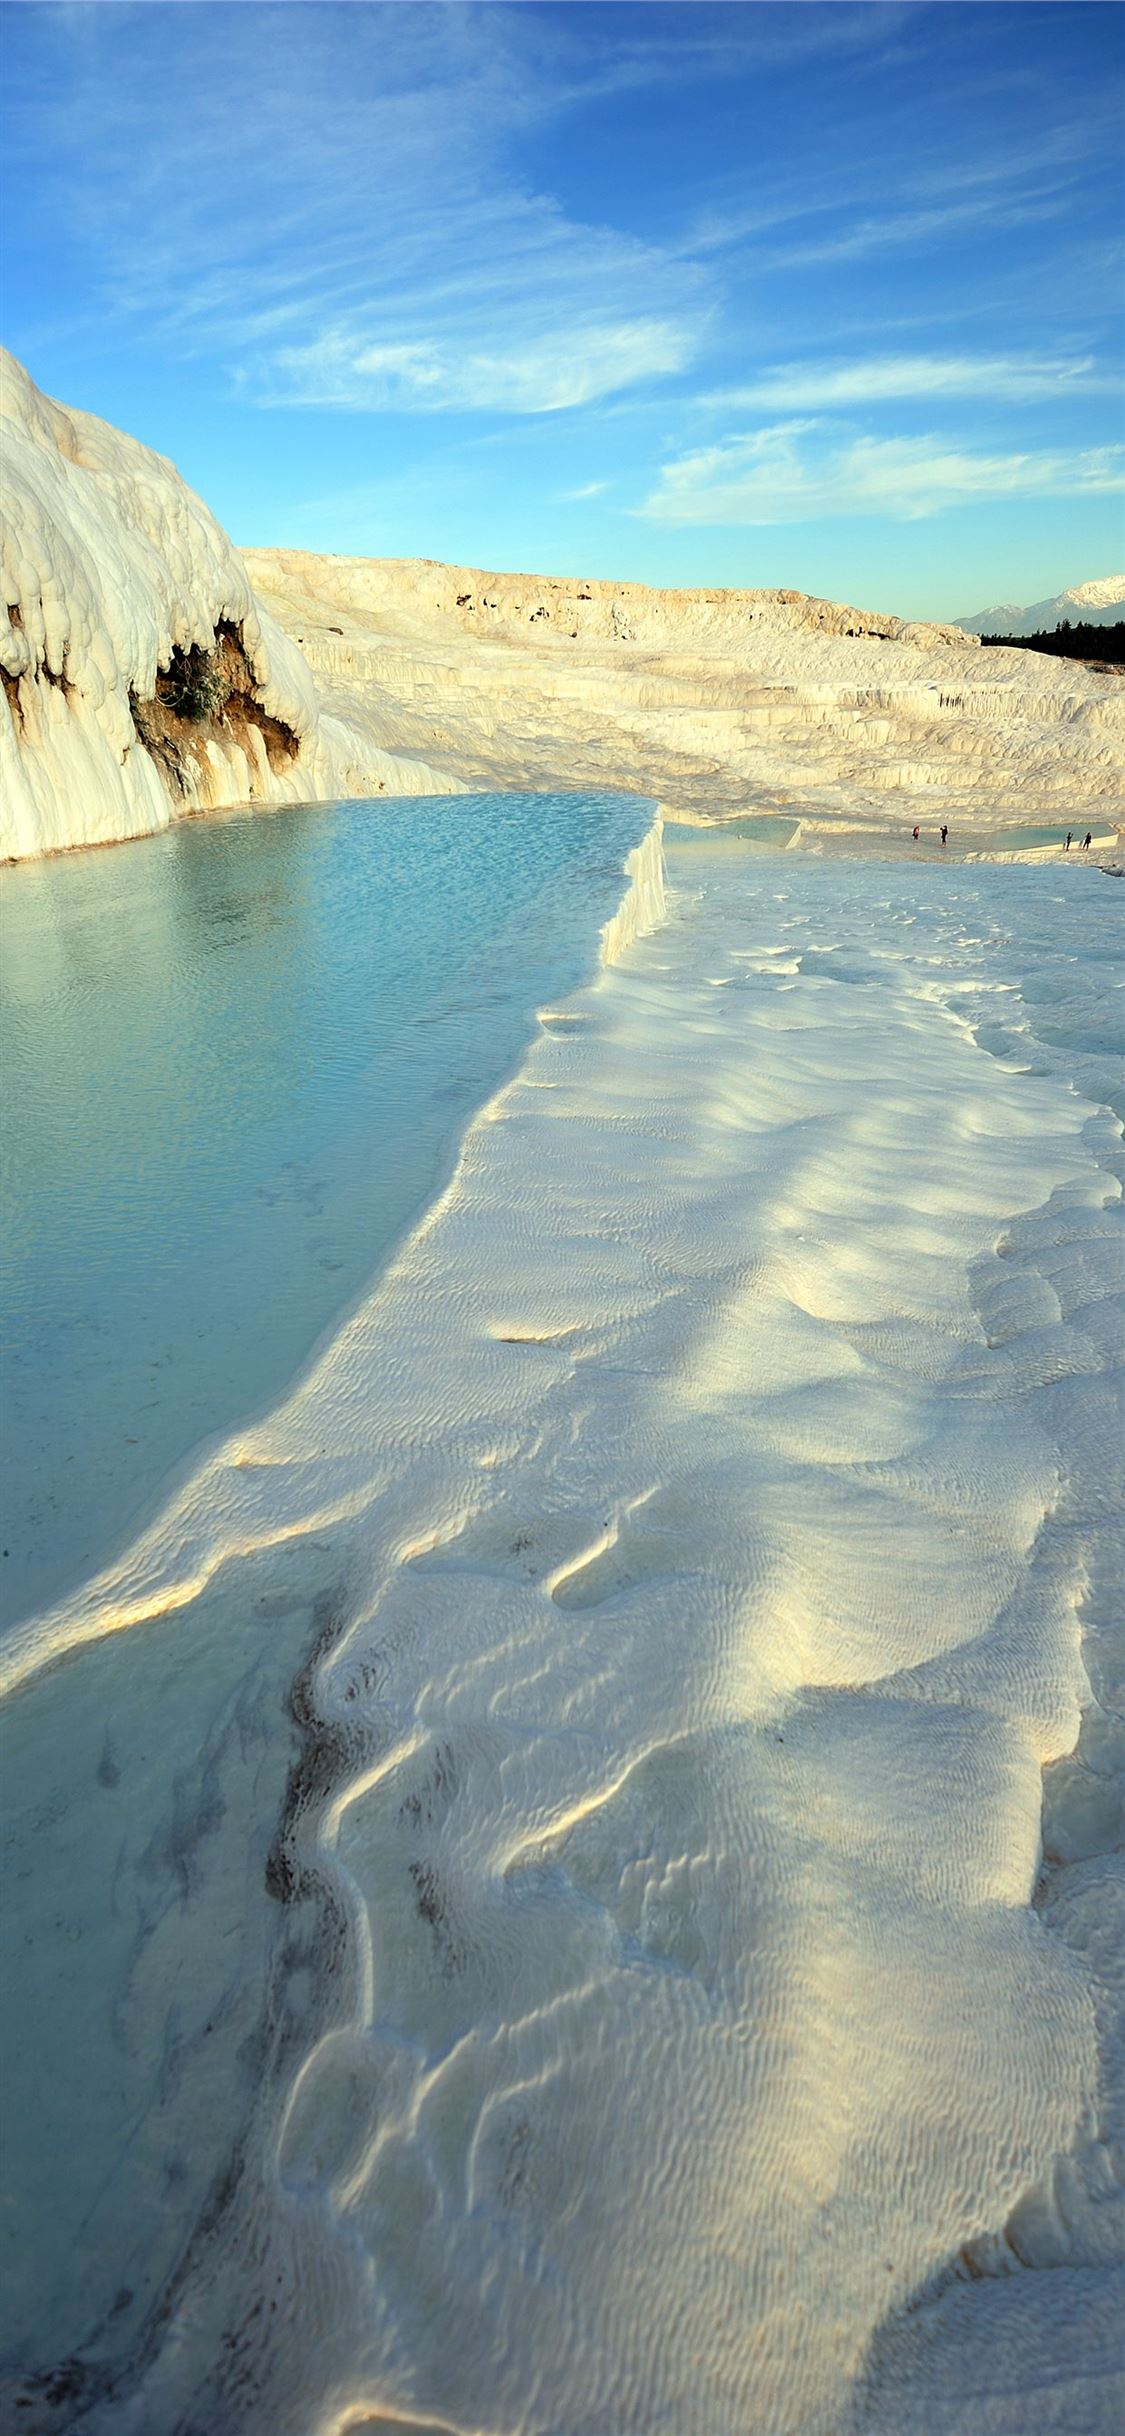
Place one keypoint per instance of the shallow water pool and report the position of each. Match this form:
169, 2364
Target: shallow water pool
768, 830
237, 1057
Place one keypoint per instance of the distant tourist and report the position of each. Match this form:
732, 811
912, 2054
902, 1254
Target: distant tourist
1087, 841
944, 831
1069, 835
915, 833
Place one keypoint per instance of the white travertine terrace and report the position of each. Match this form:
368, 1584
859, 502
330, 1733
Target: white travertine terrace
715, 2019
716, 702
111, 565
355, 677
679, 1989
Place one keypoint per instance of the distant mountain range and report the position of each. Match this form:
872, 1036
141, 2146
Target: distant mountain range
1100, 603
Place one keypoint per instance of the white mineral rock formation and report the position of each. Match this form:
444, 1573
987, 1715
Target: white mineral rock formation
141, 677
714, 702
144, 678
692, 2002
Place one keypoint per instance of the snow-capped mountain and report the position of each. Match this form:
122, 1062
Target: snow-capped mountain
1099, 603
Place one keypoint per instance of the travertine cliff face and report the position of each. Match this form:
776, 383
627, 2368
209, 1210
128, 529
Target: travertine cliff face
412, 594
717, 702
141, 678
149, 669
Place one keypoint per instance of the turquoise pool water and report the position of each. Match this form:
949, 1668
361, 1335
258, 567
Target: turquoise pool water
1019, 841
767, 829
236, 1060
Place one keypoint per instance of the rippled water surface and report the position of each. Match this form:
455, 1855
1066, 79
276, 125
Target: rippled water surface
236, 1059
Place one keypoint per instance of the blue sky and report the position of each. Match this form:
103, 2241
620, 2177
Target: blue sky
750, 294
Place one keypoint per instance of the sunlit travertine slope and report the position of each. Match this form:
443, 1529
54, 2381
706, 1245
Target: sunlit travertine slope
114, 575
717, 702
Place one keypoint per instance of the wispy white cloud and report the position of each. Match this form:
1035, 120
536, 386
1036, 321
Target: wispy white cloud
1065, 143
792, 471
868, 203
921, 229
1011, 379
356, 212
339, 218
713, 44
586, 490
569, 367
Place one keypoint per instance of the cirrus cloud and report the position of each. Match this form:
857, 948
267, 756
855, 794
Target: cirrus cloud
815, 386
790, 472
543, 375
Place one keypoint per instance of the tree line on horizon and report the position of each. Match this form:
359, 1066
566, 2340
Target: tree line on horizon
1104, 644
